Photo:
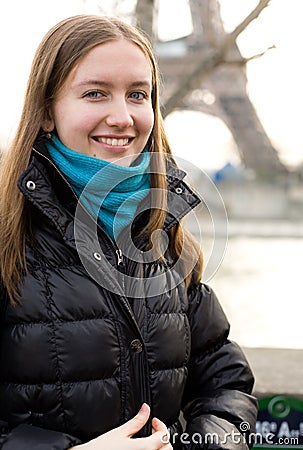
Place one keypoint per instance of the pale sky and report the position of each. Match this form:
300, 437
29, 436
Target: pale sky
275, 80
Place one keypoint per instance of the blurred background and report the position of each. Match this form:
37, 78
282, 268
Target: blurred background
231, 98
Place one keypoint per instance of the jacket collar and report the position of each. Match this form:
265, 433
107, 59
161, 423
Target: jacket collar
43, 185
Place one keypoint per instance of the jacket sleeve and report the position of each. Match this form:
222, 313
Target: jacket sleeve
218, 407
27, 437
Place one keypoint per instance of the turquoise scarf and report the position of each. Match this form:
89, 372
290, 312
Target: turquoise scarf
111, 193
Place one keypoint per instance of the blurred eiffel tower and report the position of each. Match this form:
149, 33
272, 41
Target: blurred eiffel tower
201, 73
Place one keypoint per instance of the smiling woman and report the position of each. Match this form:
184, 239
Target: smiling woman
107, 332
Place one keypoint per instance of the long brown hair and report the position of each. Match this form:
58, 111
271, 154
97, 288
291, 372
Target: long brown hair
58, 53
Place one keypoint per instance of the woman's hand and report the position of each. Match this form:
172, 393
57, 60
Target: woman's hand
120, 438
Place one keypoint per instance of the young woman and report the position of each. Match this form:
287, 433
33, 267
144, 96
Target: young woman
107, 333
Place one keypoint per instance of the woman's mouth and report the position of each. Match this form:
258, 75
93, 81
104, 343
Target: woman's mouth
114, 142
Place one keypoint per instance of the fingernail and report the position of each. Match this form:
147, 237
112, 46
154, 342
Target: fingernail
143, 408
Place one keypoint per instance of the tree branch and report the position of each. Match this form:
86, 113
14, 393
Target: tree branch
243, 61
252, 16
212, 59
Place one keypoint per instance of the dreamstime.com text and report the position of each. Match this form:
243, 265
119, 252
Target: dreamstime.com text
235, 437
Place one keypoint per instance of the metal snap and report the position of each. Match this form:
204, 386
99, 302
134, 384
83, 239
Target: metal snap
97, 256
136, 346
31, 185
178, 190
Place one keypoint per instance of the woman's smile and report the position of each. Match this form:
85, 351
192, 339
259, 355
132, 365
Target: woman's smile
114, 143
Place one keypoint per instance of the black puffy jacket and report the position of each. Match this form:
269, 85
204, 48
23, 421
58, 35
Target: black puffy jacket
78, 357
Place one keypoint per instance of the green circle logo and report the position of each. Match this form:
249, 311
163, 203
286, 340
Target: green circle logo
279, 407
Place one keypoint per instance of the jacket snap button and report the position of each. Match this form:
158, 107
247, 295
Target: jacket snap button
136, 346
178, 190
31, 186
97, 256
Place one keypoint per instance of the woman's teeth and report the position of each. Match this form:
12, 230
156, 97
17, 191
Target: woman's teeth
114, 141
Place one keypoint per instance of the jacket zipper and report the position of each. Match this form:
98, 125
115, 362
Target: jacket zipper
120, 259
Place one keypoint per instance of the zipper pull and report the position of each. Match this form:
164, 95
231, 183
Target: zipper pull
119, 257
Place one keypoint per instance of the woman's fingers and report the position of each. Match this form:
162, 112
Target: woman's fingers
121, 437
160, 434
135, 424
158, 425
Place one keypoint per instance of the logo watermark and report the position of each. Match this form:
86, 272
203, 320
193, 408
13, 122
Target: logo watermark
244, 435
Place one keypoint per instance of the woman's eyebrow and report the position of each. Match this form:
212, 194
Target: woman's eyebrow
140, 83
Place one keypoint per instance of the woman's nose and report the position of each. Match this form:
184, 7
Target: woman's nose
119, 115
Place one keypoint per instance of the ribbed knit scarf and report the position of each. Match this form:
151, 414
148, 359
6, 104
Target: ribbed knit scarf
111, 193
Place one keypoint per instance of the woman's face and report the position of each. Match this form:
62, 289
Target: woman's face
104, 108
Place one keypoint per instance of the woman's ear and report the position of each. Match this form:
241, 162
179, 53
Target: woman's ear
47, 123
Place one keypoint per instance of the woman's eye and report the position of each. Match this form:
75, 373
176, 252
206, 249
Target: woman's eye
93, 94
138, 95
